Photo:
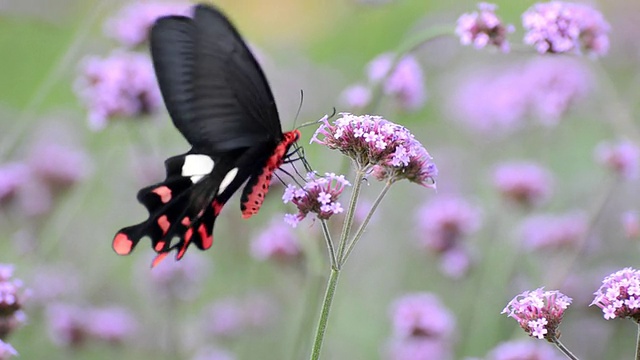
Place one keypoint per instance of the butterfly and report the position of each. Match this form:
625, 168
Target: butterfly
220, 100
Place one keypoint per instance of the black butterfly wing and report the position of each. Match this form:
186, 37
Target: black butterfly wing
214, 90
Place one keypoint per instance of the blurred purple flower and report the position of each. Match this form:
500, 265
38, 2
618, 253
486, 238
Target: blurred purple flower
356, 96
418, 349
120, 85
57, 164
445, 221
483, 28
35, 198
50, 283
553, 231
260, 310
111, 324
179, 280
12, 175
524, 183
67, 325
619, 295
319, 195
622, 158
276, 242
211, 353
12, 298
631, 224
372, 140
538, 312
7, 351
421, 315
131, 25
560, 27
234, 316
524, 350
455, 263
405, 81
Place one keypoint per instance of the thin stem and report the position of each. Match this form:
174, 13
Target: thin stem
358, 235
563, 349
638, 343
348, 221
329, 241
324, 315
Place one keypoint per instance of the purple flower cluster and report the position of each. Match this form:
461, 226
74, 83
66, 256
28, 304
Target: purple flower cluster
422, 329
404, 82
497, 101
179, 280
131, 25
120, 85
277, 242
524, 350
619, 295
7, 351
622, 158
12, 175
374, 141
560, 27
319, 195
12, 297
631, 224
230, 317
73, 326
211, 353
539, 312
483, 28
553, 231
524, 183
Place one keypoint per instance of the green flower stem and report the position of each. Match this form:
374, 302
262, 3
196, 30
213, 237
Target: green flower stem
638, 343
563, 349
358, 235
329, 241
324, 315
348, 221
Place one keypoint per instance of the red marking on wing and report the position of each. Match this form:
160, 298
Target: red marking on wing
207, 240
187, 239
122, 244
164, 223
158, 259
164, 192
261, 187
217, 207
159, 245
185, 221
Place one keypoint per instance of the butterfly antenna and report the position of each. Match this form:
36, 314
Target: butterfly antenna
295, 120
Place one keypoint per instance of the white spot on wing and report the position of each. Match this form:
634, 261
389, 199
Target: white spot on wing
196, 178
197, 165
227, 180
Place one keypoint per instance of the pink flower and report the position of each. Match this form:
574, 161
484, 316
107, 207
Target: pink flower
131, 25
445, 221
67, 325
619, 295
12, 175
319, 195
553, 231
524, 183
181, 280
233, 316
276, 242
120, 85
59, 164
418, 349
421, 315
631, 224
7, 351
621, 158
524, 350
539, 312
356, 96
12, 298
559, 27
111, 324
405, 81
483, 28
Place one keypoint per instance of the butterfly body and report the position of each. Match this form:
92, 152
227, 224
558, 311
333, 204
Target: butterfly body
219, 99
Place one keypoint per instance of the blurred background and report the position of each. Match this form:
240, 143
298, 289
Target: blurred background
537, 186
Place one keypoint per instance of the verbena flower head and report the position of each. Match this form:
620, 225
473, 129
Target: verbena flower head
550, 231
524, 183
539, 312
445, 221
356, 96
12, 175
623, 158
319, 195
421, 315
120, 85
12, 297
560, 27
374, 141
113, 325
178, 280
405, 81
483, 28
131, 25
631, 224
7, 351
619, 295
418, 349
524, 350
277, 242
